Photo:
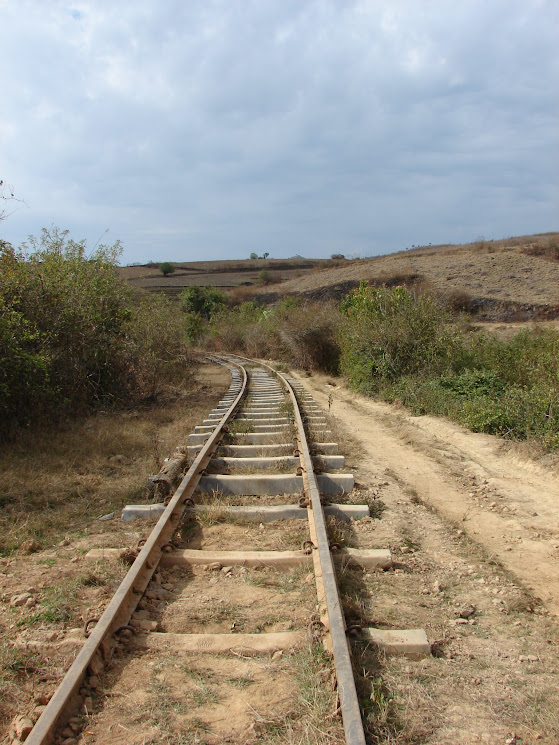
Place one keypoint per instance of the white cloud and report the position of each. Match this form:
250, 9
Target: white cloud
209, 127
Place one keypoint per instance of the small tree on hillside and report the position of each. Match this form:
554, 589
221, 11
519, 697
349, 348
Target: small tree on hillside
166, 268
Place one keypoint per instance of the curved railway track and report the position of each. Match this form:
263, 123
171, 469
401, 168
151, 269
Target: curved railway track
263, 454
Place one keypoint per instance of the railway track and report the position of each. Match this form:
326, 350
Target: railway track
263, 455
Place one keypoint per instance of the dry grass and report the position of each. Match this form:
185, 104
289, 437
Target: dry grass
56, 482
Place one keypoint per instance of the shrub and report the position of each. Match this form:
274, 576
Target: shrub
157, 344
166, 268
71, 337
393, 332
265, 277
205, 301
302, 334
309, 335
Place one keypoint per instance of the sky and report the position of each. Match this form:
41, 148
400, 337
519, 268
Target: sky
210, 129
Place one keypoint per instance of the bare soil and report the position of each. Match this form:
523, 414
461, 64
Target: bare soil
471, 523
457, 511
505, 271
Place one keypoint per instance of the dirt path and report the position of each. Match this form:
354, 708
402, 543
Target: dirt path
508, 505
474, 567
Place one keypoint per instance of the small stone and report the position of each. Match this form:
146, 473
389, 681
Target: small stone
511, 740
22, 727
460, 621
437, 587
41, 699
36, 713
404, 549
227, 570
18, 600
96, 665
459, 533
261, 526
93, 681
533, 658
64, 542
277, 655
108, 516
88, 704
215, 566
30, 602
467, 611
534, 514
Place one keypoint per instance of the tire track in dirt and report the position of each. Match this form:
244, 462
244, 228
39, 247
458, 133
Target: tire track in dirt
508, 505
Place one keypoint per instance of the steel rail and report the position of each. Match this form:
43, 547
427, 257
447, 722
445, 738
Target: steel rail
349, 702
117, 614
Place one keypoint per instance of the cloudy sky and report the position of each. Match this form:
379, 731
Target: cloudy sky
207, 129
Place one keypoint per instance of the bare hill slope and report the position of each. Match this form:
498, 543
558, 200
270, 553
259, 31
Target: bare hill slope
510, 279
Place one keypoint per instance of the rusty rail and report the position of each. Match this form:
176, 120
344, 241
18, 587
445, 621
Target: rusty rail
97, 649
326, 576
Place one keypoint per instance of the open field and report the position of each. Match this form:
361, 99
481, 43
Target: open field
223, 274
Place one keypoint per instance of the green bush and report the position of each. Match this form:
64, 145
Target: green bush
71, 337
166, 268
393, 332
205, 301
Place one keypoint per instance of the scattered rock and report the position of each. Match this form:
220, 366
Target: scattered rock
93, 681
277, 655
227, 570
466, 611
30, 602
437, 587
108, 516
88, 705
405, 549
22, 727
460, 621
528, 658
214, 567
20, 599
459, 533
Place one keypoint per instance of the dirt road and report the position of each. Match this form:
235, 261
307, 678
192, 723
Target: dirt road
474, 528
506, 504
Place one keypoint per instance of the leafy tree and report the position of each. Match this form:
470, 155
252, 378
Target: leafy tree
265, 256
254, 255
166, 268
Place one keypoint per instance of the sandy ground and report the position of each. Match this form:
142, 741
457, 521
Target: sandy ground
472, 528
506, 503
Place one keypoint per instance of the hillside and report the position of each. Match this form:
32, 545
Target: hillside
511, 279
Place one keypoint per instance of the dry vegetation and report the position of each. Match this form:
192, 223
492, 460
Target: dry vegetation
55, 484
